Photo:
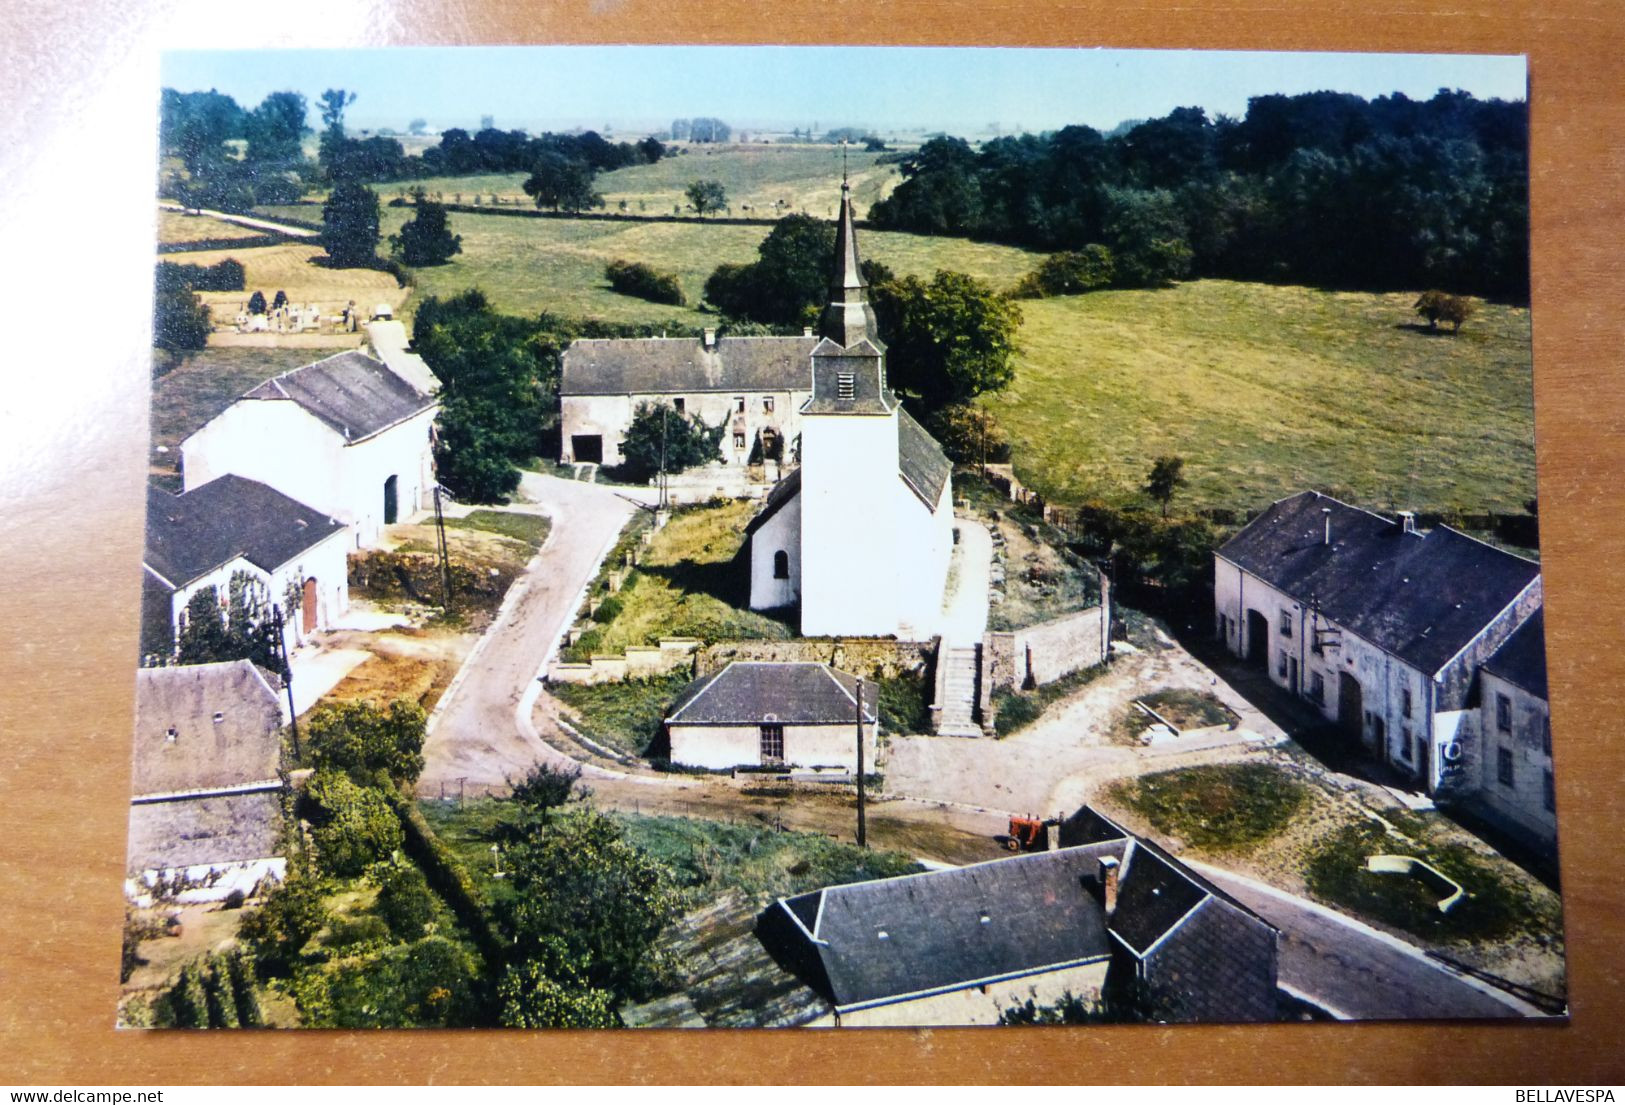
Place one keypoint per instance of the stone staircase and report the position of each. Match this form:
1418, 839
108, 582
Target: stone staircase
958, 684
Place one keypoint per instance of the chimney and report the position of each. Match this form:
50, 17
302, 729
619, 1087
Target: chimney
1327, 511
1407, 521
1108, 883
806, 331
710, 338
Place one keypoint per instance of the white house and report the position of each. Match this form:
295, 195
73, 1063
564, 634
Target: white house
348, 435
768, 714
860, 537
1382, 627
206, 811
236, 535
1514, 784
752, 387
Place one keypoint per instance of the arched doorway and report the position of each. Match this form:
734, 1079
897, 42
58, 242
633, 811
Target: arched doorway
307, 607
1258, 640
1350, 707
391, 505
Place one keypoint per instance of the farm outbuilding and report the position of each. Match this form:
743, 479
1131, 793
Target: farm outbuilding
769, 714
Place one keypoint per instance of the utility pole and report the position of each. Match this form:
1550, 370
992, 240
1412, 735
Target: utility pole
863, 829
665, 414
287, 675
445, 556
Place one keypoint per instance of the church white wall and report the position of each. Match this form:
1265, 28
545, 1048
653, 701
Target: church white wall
925, 543
781, 533
720, 747
850, 517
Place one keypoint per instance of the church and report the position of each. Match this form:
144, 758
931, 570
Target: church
859, 536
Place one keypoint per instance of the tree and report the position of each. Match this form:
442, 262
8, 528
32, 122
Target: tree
290, 915
1434, 305
180, 320
1069, 273
350, 225
562, 183
1167, 476
256, 303
1147, 232
417, 127
789, 281
545, 788
404, 901
237, 629
948, 340
276, 128
354, 826
365, 741
969, 434
658, 435
706, 196
531, 998
426, 239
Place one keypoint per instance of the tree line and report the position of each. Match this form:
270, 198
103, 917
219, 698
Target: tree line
1322, 188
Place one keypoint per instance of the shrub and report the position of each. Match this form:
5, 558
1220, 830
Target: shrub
1069, 273
179, 320
278, 931
1014, 711
608, 610
1434, 305
225, 276
354, 827
969, 434
363, 740
638, 279
429, 983
405, 902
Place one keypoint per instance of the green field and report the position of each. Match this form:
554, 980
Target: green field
1268, 390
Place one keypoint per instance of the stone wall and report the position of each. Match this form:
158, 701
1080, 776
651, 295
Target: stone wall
1042, 653
869, 657
639, 662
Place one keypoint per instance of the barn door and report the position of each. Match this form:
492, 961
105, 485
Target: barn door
389, 501
307, 608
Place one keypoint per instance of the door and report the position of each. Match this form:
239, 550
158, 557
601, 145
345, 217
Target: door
1350, 708
1292, 675
587, 448
1258, 639
390, 501
307, 608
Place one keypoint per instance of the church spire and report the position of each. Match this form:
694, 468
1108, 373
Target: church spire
849, 318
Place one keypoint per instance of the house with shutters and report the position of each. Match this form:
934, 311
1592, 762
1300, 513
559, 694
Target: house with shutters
246, 541
206, 805
351, 436
859, 537
795, 715
1106, 917
1386, 629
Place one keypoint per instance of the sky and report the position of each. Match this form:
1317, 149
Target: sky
960, 90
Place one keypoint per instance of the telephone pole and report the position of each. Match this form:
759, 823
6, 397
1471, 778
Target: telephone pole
863, 829
287, 675
445, 556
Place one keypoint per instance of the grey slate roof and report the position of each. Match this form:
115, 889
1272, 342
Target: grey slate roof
226, 829
240, 749
352, 393
676, 366
1521, 659
750, 692
192, 534
783, 492
848, 318
945, 929
921, 461
865, 364
1421, 597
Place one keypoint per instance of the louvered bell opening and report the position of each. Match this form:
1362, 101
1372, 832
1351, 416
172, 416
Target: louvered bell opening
845, 386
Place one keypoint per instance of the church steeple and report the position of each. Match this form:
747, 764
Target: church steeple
849, 318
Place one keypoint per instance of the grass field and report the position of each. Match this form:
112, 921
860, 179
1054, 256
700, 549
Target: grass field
625, 716
290, 268
1267, 390
531, 529
174, 228
1228, 807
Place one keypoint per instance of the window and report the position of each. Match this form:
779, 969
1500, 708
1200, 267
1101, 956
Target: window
767, 404
1503, 713
1405, 702
739, 403
845, 385
678, 404
781, 565
1549, 793
739, 441
772, 744
1314, 641
1503, 766
1280, 665
1379, 727
1286, 623
1546, 735
1317, 686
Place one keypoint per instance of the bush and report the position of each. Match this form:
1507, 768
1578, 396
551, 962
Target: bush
179, 320
1069, 274
608, 610
1014, 711
430, 983
637, 279
225, 276
970, 434
1434, 305
278, 931
354, 825
363, 740
405, 902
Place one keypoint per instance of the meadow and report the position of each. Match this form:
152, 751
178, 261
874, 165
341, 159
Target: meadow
1266, 390
175, 227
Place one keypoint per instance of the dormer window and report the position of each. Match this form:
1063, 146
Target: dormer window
170, 734
846, 385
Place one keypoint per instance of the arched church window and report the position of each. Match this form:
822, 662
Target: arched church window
781, 565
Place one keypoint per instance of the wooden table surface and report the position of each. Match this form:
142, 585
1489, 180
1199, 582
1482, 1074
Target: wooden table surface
80, 85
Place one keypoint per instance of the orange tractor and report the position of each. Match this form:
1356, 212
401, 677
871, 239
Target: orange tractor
1029, 834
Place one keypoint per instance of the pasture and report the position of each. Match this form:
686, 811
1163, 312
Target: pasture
291, 268
174, 228
1266, 390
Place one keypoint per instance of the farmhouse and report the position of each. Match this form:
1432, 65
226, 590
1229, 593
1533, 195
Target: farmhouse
206, 816
859, 538
752, 387
349, 435
245, 540
1110, 916
758, 713
1382, 627
1512, 783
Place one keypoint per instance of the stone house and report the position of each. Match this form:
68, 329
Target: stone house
1107, 916
794, 715
1514, 787
1383, 628
234, 534
348, 435
206, 795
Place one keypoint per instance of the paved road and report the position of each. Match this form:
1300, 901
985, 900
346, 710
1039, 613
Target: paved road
481, 730
1353, 970
246, 220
